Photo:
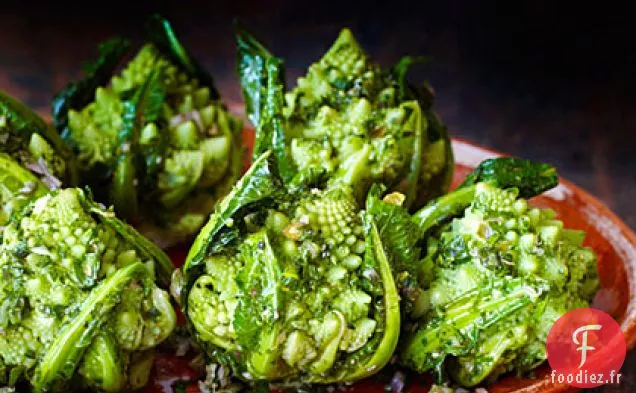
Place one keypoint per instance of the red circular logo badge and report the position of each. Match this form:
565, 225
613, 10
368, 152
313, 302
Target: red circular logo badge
586, 348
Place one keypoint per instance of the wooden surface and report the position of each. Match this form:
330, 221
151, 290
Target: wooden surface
535, 81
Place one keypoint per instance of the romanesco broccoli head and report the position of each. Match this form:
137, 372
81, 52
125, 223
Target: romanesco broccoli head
355, 110
347, 121
78, 297
496, 274
291, 286
155, 140
503, 232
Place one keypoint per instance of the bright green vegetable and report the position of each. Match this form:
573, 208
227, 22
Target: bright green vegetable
79, 307
528, 177
33, 157
154, 140
496, 274
349, 121
18, 186
291, 286
34, 144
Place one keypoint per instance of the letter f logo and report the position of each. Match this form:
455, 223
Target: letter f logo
583, 344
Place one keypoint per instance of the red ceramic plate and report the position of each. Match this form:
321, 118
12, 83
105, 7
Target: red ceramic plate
612, 240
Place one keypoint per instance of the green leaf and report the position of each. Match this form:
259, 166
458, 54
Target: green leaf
77, 95
401, 69
420, 127
161, 34
390, 302
150, 109
251, 59
438, 131
77, 332
260, 185
260, 304
273, 122
531, 178
443, 208
435, 130
144, 107
385, 350
263, 85
439, 182
398, 232
151, 98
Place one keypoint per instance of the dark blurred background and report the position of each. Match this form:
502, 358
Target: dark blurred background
548, 80
537, 79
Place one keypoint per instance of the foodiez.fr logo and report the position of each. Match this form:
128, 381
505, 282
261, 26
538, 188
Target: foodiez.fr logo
586, 348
